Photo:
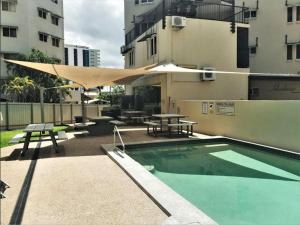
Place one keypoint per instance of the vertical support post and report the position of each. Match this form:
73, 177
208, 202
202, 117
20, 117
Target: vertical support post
54, 112
98, 112
71, 112
83, 108
42, 104
31, 113
61, 107
7, 116
164, 15
233, 17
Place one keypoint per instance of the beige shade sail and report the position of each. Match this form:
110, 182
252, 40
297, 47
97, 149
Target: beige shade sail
87, 77
91, 77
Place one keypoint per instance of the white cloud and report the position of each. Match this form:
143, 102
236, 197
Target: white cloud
97, 24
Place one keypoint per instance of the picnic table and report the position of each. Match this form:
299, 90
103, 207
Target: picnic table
100, 119
134, 115
169, 118
40, 128
101, 126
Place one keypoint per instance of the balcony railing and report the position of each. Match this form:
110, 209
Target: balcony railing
186, 8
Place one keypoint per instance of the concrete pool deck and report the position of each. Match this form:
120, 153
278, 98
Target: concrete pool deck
79, 185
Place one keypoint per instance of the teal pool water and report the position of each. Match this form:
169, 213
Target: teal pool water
232, 183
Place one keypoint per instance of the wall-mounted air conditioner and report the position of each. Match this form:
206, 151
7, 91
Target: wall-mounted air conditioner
178, 22
209, 75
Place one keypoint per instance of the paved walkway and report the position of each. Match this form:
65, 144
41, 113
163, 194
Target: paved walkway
80, 185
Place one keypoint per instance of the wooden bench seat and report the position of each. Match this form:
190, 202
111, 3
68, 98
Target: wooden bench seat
154, 127
117, 122
17, 138
192, 123
180, 127
123, 117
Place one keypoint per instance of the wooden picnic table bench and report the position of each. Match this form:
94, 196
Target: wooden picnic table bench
154, 127
39, 128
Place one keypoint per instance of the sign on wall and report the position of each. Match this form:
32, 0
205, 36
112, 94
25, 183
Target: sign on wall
225, 108
204, 107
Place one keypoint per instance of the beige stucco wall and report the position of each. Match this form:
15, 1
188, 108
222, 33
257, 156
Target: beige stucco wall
201, 43
273, 123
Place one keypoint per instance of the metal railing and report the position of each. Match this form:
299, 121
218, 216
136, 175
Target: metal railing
187, 8
116, 131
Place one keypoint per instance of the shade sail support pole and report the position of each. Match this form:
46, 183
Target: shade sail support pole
83, 107
42, 104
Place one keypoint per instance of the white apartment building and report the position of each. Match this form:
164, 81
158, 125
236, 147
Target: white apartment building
27, 24
274, 45
274, 37
76, 55
190, 34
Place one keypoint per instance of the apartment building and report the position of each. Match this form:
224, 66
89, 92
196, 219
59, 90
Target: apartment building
27, 24
274, 47
191, 34
76, 55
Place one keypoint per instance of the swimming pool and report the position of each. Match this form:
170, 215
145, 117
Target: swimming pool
231, 182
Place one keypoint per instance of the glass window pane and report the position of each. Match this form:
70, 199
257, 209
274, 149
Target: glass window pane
298, 52
289, 52
298, 13
5, 6
5, 32
290, 14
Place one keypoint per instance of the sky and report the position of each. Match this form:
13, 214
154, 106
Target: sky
97, 24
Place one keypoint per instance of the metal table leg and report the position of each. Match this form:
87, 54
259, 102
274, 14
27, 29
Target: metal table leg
53, 141
26, 143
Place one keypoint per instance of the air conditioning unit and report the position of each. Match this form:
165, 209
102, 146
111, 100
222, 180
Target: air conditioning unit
208, 76
178, 21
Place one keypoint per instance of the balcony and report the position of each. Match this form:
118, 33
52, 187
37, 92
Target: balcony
187, 8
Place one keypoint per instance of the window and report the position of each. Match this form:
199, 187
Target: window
153, 46
253, 50
42, 13
298, 13
66, 56
55, 42
289, 52
75, 58
9, 31
43, 37
253, 14
298, 51
254, 92
131, 58
242, 47
250, 14
55, 1
290, 14
9, 6
143, 1
86, 58
54, 20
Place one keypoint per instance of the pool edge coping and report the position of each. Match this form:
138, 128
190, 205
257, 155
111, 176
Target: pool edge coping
177, 208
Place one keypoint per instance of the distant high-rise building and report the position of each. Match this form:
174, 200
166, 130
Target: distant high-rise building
28, 24
76, 55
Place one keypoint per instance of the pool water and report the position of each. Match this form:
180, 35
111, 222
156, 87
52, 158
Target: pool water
232, 183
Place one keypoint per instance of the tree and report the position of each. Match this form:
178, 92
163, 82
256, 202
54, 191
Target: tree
40, 79
113, 96
19, 88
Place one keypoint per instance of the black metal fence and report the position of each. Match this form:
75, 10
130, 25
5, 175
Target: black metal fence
185, 8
